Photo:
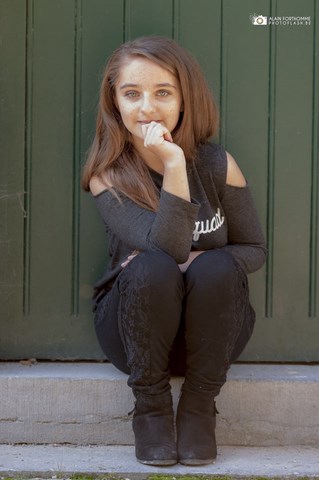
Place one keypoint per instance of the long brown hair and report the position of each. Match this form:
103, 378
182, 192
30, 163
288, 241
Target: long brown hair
112, 152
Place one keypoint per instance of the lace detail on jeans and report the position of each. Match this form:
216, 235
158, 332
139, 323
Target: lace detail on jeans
240, 311
134, 322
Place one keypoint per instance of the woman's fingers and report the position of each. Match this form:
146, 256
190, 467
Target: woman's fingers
151, 138
158, 139
129, 258
155, 134
168, 136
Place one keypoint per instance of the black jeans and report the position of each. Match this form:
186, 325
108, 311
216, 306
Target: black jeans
157, 321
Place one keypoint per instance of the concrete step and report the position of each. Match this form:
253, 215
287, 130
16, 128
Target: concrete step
60, 462
88, 404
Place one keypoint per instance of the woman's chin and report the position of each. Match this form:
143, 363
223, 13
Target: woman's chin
137, 139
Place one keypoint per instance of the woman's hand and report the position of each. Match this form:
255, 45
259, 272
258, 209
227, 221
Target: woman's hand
158, 139
184, 266
129, 258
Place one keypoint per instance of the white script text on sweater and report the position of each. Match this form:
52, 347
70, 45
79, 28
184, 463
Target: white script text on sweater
208, 226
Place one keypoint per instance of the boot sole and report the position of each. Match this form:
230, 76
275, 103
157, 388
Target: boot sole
193, 462
159, 463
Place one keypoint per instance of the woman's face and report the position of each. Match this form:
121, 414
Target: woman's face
146, 92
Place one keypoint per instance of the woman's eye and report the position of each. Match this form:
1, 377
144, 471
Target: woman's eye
131, 94
163, 93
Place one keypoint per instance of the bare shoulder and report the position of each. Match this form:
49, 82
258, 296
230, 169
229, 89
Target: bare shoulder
235, 176
98, 185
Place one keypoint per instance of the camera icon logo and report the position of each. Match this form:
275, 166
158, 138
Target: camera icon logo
258, 19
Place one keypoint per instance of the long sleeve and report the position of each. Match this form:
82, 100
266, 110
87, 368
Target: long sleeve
169, 229
245, 237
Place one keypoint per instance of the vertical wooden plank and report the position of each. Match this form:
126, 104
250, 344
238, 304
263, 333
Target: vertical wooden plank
28, 152
52, 157
204, 43
244, 112
314, 234
76, 156
12, 119
293, 154
143, 17
315, 218
245, 90
271, 163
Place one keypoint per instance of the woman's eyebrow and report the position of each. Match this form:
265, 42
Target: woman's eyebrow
135, 85
126, 85
166, 84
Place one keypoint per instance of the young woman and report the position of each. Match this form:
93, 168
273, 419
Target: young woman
183, 233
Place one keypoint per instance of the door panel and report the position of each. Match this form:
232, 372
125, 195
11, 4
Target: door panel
53, 245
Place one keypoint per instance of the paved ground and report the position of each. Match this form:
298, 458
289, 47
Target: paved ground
47, 461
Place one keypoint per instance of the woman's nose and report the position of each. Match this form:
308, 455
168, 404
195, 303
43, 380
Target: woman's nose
147, 104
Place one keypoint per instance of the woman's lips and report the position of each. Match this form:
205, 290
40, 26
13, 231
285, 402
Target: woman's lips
145, 122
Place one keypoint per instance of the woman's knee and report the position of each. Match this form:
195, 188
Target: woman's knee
152, 269
245, 333
214, 268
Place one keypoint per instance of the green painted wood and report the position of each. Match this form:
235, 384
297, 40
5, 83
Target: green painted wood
143, 17
52, 156
205, 45
48, 252
264, 78
314, 245
292, 191
12, 146
244, 116
275, 74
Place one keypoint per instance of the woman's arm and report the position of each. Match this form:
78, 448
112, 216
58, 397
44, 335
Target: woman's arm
245, 237
159, 143
170, 228
235, 178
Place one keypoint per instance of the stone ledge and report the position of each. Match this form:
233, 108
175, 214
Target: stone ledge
88, 403
239, 462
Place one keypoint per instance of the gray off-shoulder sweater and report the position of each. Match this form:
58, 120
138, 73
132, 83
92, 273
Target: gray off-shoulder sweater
218, 216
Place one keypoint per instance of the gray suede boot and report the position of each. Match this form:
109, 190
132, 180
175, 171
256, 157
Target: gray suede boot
153, 426
196, 423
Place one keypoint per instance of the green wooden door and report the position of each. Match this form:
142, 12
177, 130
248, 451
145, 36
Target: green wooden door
53, 247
